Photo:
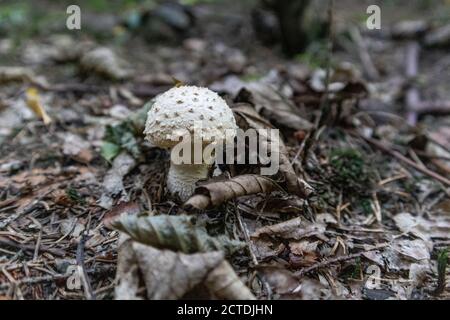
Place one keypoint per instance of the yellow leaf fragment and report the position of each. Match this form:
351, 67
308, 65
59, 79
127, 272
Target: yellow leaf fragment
34, 103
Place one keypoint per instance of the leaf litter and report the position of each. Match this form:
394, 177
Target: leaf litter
343, 218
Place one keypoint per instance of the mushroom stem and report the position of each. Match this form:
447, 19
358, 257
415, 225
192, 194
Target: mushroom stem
182, 178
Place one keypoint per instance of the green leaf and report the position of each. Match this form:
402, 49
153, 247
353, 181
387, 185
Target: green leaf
109, 150
177, 233
125, 135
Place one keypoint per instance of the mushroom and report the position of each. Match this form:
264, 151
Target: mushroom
200, 118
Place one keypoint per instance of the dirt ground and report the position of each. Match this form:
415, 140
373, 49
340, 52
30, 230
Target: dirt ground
374, 225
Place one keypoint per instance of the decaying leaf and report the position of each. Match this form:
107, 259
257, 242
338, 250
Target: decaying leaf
177, 233
274, 105
223, 283
402, 253
146, 272
127, 272
76, 147
113, 181
34, 103
289, 236
425, 229
216, 193
104, 61
291, 229
12, 74
248, 118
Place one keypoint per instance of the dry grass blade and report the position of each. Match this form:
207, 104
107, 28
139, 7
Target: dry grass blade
216, 193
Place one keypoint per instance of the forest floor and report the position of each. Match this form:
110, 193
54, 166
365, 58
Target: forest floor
73, 158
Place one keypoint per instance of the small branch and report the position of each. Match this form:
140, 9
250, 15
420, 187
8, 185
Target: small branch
9, 243
367, 63
90, 295
244, 230
404, 159
412, 98
81, 88
435, 107
54, 277
327, 262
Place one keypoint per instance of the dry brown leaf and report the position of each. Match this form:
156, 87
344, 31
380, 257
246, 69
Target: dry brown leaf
248, 118
76, 147
291, 229
223, 283
425, 229
216, 193
112, 183
178, 233
303, 253
105, 62
170, 275
273, 105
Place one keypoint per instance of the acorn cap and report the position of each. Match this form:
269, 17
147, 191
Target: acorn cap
179, 110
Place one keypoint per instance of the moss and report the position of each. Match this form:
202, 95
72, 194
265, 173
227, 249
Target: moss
349, 170
75, 196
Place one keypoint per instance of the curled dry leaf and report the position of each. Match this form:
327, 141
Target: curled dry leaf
216, 193
248, 118
169, 275
177, 233
105, 62
273, 105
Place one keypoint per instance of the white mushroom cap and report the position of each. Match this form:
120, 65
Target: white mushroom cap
177, 111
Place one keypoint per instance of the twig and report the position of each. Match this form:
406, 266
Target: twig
367, 63
38, 245
53, 277
9, 243
141, 91
411, 70
433, 106
244, 230
404, 159
88, 292
324, 105
327, 262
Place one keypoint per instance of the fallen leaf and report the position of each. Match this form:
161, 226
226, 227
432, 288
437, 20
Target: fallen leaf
216, 193
435, 227
248, 118
291, 229
105, 62
170, 275
35, 104
113, 180
77, 148
177, 233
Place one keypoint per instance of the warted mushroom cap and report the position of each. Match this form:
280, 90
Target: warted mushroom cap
179, 110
